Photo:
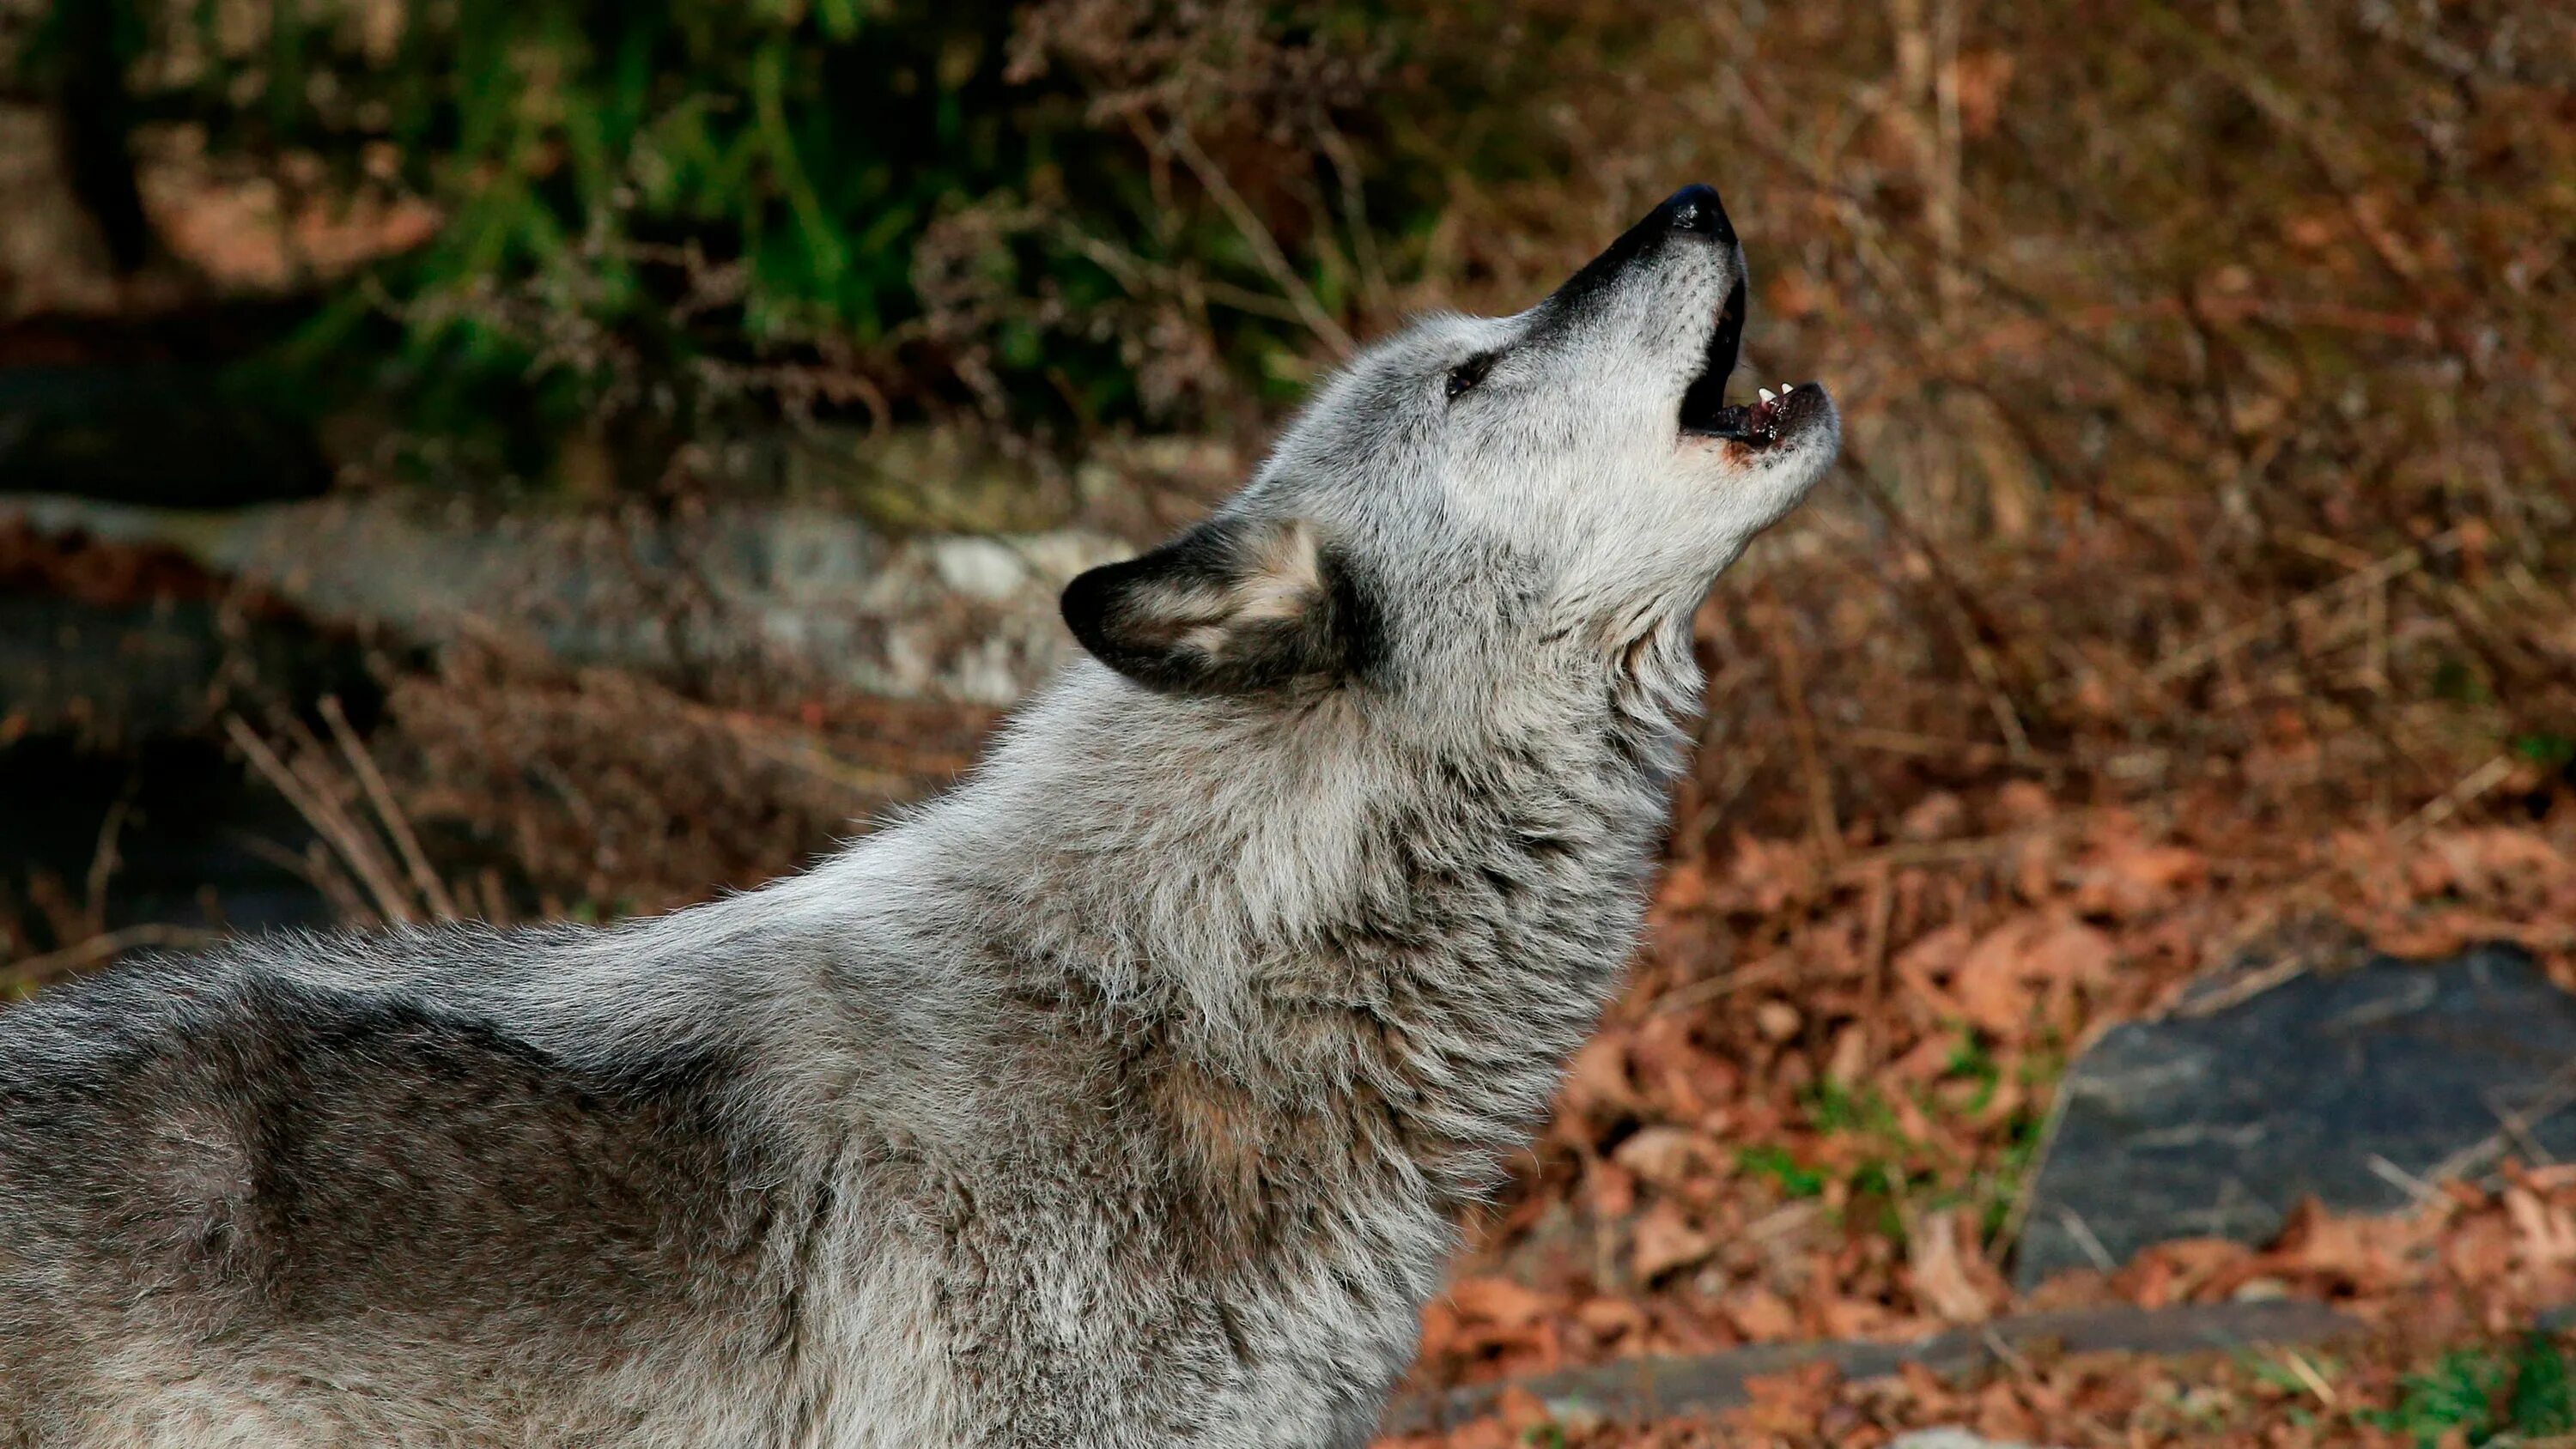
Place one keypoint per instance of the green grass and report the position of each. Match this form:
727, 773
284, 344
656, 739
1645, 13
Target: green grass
2498, 1396
1774, 1162
1894, 1168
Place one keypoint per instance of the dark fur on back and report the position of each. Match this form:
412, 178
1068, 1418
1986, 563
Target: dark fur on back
257, 1163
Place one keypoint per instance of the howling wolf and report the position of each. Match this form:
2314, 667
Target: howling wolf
1128, 1095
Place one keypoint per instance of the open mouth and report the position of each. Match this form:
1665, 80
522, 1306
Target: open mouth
1705, 412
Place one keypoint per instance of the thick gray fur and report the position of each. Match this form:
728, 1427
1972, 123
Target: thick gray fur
1127, 1095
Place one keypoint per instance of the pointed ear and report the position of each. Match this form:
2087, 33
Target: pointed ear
1235, 606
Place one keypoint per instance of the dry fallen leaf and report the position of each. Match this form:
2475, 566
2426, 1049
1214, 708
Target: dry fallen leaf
1921, 965
1610, 1317
2125, 879
1667, 1156
1979, 79
1489, 1432
2035, 959
1609, 1189
1596, 1080
1778, 1020
1498, 1301
2023, 802
1937, 816
1938, 1268
1762, 1315
2545, 1233
1665, 1240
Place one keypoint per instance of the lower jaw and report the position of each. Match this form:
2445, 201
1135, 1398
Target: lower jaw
1754, 425
1750, 443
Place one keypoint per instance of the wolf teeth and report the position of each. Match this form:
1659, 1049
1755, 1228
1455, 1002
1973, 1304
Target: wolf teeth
1766, 393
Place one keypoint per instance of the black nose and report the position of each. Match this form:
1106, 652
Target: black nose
1696, 208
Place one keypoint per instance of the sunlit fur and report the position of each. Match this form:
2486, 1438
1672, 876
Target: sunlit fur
1127, 1095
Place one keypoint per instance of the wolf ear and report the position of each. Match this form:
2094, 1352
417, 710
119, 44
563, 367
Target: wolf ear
1235, 606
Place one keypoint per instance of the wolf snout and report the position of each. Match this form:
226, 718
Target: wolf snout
1695, 208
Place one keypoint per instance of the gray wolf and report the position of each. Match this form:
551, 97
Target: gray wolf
1127, 1095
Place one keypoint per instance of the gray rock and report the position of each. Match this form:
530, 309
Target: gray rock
794, 592
1652, 1387
907, 481
2353, 1086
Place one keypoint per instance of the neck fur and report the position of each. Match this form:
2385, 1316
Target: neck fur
1320, 906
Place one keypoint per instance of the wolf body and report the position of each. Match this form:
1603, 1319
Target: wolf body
1127, 1095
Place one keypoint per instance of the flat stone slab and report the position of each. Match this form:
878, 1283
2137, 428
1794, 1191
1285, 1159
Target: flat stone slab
1645, 1388
2352, 1086
798, 590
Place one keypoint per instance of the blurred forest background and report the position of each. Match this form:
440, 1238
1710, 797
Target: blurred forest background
560, 457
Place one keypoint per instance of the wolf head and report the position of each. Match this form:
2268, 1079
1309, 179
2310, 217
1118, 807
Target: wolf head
1478, 494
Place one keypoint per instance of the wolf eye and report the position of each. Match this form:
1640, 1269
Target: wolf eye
1470, 372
